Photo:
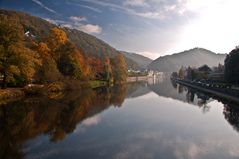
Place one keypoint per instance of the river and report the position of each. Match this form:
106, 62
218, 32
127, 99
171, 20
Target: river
138, 120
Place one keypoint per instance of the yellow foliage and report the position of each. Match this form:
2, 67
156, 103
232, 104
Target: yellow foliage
57, 37
43, 49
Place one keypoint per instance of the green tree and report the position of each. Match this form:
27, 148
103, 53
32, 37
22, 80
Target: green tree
231, 73
69, 62
16, 61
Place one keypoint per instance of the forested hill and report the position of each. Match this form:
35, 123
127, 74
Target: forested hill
34, 50
142, 61
92, 46
193, 57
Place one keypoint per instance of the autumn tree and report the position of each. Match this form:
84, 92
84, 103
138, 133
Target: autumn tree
56, 38
48, 71
70, 61
97, 68
119, 69
16, 61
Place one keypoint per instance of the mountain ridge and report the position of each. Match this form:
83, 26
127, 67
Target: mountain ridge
141, 60
193, 57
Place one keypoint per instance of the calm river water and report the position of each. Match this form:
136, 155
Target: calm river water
134, 121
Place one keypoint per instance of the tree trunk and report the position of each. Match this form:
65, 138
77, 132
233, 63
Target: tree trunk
4, 81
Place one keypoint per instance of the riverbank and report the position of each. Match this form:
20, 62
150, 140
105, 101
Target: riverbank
12, 94
225, 93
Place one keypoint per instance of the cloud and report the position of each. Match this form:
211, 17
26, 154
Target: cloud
135, 3
130, 11
43, 6
56, 22
75, 23
78, 18
89, 28
150, 15
91, 121
85, 6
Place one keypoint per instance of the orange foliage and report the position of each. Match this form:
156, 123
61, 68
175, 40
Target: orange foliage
97, 67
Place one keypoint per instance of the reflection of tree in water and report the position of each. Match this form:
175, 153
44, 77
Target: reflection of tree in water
26, 119
192, 96
231, 111
231, 114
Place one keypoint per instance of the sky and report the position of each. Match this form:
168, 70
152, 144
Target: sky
152, 28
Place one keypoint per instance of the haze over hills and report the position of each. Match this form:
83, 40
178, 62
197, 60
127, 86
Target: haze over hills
142, 61
194, 57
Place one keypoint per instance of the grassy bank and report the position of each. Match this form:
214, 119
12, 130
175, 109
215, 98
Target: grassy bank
96, 84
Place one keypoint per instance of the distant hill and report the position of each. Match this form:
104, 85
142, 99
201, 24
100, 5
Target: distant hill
142, 61
89, 44
193, 57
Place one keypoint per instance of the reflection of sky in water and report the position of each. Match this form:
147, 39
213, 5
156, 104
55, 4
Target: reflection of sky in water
148, 126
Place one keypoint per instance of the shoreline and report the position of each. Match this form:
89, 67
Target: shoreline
220, 92
12, 94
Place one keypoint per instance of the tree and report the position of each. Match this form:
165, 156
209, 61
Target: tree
56, 38
119, 69
16, 61
108, 70
97, 67
231, 73
181, 73
48, 71
70, 62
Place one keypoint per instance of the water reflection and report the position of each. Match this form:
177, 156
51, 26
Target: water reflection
231, 114
138, 120
170, 89
26, 119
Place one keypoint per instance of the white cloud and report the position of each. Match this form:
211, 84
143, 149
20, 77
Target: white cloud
56, 22
76, 24
91, 121
43, 6
135, 3
78, 18
130, 11
85, 6
89, 28
150, 15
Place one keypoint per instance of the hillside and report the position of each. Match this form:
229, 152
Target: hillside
142, 61
193, 57
91, 45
